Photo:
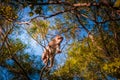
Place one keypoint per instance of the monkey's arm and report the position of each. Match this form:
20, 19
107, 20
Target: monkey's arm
58, 49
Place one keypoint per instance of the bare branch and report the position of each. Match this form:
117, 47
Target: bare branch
102, 22
16, 61
89, 34
77, 16
5, 39
60, 12
25, 73
51, 3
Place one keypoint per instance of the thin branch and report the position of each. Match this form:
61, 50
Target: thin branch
35, 39
60, 12
50, 3
77, 16
73, 7
5, 36
43, 69
66, 3
27, 22
45, 17
83, 5
89, 34
16, 61
103, 42
102, 22
9, 49
25, 73
11, 69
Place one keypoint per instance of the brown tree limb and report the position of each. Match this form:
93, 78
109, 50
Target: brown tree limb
12, 69
25, 73
5, 38
109, 20
65, 3
77, 16
16, 61
89, 34
60, 12
73, 7
49, 3
45, 17
93, 40
43, 69
102, 39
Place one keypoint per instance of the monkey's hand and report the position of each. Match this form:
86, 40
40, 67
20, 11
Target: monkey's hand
59, 51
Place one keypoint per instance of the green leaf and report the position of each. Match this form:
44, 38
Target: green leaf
117, 4
31, 14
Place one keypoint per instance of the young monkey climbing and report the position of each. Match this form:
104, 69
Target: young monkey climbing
51, 50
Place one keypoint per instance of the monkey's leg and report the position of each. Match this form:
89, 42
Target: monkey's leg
51, 61
44, 56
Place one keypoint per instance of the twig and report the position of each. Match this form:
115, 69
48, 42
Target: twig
45, 17
9, 49
13, 58
43, 69
25, 73
89, 34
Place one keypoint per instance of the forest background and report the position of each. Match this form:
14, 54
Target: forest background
91, 45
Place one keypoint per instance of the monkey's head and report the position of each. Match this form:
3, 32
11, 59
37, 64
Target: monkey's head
58, 39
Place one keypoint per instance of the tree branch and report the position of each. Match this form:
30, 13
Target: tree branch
25, 73
89, 34
102, 22
13, 57
60, 12
16, 61
50, 3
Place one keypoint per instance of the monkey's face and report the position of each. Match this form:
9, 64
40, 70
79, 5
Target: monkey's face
58, 39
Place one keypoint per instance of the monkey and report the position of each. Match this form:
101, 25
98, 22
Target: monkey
51, 50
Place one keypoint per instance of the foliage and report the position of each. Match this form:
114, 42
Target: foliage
117, 3
113, 67
8, 13
81, 63
27, 61
91, 29
85, 61
39, 27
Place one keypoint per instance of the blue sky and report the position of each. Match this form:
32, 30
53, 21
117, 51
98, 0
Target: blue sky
34, 47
